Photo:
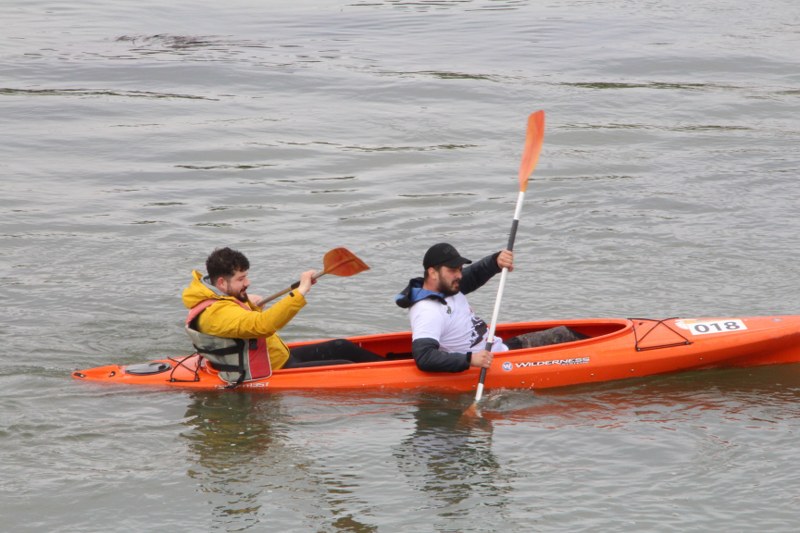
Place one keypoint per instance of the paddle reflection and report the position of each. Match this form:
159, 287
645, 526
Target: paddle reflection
449, 458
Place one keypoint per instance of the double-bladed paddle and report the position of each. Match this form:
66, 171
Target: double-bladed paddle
338, 261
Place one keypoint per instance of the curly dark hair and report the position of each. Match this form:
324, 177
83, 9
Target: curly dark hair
225, 262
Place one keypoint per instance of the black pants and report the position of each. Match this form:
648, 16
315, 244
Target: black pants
544, 338
335, 352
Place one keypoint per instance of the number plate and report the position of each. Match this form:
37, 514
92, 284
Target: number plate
707, 327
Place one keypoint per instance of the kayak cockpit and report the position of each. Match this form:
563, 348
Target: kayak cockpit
397, 346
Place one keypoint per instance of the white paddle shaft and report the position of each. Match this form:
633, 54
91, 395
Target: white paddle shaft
496, 312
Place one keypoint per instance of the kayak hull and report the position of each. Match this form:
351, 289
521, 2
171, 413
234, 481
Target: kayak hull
616, 349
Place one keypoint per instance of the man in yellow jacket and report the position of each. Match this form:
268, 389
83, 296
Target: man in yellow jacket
240, 339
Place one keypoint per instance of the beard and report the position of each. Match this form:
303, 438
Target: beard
449, 290
241, 295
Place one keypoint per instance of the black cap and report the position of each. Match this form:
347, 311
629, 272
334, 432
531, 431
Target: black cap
443, 254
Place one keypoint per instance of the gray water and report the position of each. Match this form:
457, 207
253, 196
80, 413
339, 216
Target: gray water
138, 136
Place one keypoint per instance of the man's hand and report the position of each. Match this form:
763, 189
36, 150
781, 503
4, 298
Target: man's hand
254, 298
506, 260
306, 281
482, 359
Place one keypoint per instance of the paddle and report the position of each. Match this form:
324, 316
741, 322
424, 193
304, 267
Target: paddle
339, 262
530, 155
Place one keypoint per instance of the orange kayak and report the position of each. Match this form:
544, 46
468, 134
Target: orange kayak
616, 349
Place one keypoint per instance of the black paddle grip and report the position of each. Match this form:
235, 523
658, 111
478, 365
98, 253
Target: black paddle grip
512, 235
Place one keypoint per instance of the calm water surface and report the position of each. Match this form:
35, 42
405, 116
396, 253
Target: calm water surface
138, 136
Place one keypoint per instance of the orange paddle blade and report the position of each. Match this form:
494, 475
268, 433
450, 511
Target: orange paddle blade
342, 262
471, 411
533, 145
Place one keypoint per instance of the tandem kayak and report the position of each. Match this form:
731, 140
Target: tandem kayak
615, 349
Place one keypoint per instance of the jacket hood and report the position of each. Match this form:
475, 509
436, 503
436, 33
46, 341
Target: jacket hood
199, 290
414, 292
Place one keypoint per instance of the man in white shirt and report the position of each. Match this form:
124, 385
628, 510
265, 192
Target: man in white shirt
446, 334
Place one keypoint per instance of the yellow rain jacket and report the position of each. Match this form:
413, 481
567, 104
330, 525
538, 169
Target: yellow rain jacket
228, 319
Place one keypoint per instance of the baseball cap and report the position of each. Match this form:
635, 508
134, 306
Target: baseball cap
443, 254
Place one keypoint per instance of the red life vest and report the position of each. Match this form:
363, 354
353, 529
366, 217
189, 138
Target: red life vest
237, 360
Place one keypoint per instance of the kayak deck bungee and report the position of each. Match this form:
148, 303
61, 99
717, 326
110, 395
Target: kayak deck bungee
616, 348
